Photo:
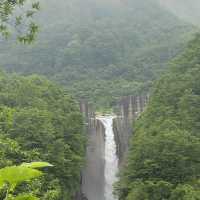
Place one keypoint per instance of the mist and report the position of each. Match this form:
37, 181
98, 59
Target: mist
186, 10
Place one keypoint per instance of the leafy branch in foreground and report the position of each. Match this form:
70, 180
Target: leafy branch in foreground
16, 16
11, 177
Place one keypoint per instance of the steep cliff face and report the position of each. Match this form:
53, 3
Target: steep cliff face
93, 176
93, 181
130, 108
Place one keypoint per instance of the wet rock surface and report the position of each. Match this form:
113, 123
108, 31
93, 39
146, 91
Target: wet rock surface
93, 174
130, 108
93, 180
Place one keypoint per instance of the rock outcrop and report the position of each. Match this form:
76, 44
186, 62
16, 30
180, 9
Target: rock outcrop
93, 178
93, 181
130, 108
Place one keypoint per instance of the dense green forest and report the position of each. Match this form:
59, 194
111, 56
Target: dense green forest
100, 50
39, 121
163, 161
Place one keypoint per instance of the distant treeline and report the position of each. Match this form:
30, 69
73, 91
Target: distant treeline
100, 50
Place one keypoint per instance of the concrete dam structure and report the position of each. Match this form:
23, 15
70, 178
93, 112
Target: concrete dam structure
108, 139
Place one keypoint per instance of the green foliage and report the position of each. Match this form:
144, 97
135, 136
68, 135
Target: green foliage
23, 20
98, 50
40, 121
16, 175
11, 177
24, 197
35, 165
186, 192
149, 190
163, 161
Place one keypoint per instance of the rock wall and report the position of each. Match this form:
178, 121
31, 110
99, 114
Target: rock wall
130, 108
93, 181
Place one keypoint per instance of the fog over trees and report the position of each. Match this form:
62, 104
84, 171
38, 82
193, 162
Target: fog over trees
187, 10
101, 50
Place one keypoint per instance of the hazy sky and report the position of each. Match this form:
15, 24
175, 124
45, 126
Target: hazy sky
186, 9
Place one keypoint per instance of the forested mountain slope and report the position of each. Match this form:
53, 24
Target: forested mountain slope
100, 50
40, 122
164, 161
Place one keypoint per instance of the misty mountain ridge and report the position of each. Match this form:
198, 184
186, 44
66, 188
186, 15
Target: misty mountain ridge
186, 10
100, 49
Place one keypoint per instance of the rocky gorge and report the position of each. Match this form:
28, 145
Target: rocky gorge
93, 183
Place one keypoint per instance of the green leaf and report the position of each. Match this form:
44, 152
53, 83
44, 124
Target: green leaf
17, 174
25, 197
35, 165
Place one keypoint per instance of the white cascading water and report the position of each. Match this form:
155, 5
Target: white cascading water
111, 159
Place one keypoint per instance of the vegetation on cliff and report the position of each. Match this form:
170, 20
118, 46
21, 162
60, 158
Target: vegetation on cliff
163, 161
39, 121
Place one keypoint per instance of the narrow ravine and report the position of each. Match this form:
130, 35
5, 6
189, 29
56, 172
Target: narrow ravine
102, 160
111, 159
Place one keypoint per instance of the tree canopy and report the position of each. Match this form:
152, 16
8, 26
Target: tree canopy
100, 50
163, 161
39, 121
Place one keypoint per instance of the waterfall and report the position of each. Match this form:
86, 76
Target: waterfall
111, 159
103, 155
